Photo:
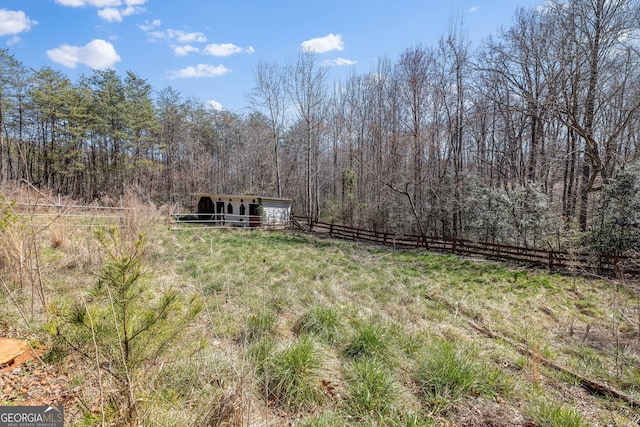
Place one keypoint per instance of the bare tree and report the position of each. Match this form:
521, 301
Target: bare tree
454, 51
592, 37
415, 70
269, 97
307, 87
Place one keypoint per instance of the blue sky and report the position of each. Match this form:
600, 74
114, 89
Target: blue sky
208, 49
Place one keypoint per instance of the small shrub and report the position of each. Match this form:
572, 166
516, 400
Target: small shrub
447, 374
293, 375
548, 414
371, 391
322, 322
125, 328
371, 340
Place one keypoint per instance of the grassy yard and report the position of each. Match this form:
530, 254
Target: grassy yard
317, 332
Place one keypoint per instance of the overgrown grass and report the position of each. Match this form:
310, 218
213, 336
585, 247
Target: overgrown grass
260, 325
292, 376
554, 414
323, 322
371, 389
448, 373
324, 333
371, 339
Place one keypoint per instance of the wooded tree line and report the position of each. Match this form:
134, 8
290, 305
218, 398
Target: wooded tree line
510, 141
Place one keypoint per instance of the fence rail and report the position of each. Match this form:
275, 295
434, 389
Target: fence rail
551, 259
49, 212
182, 221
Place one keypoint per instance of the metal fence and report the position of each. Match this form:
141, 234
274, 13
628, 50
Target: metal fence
83, 215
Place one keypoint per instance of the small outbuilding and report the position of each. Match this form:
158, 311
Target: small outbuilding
225, 210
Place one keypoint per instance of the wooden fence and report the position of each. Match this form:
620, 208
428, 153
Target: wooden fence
552, 259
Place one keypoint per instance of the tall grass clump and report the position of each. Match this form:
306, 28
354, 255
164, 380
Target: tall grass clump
547, 414
371, 390
329, 419
322, 322
370, 340
292, 376
447, 374
261, 325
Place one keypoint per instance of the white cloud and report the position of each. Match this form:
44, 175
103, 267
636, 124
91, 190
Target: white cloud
214, 105
339, 62
148, 26
182, 37
14, 22
89, 3
178, 36
225, 49
324, 44
13, 40
201, 70
112, 14
473, 9
184, 49
100, 3
97, 54
110, 10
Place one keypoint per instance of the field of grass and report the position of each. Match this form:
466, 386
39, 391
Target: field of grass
297, 330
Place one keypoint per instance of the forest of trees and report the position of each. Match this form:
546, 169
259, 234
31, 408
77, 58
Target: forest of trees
512, 141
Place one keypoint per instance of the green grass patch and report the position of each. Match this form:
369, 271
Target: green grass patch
260, 325
371, 340
329, 419
323, 322
371, 389
292, 376
448, 373
551, 414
